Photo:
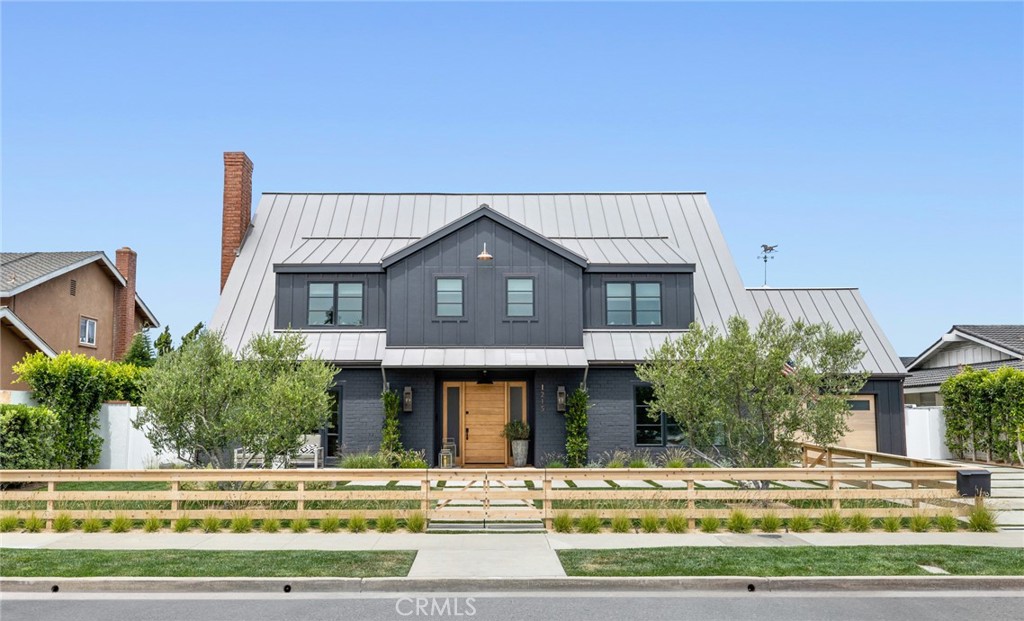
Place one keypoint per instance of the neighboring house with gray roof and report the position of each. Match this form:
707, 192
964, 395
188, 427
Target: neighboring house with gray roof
987, 347
481, 308
67, 301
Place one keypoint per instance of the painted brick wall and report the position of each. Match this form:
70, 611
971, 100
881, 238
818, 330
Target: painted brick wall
362, 413
418, 426
548, 422
611, 411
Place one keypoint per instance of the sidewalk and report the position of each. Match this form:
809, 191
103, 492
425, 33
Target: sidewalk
531, 555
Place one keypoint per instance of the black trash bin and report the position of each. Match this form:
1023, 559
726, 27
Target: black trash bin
974, 482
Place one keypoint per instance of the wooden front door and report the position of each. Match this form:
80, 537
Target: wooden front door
484, 417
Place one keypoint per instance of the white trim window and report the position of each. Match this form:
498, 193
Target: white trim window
87, 331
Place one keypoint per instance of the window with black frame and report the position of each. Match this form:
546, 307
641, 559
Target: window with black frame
659, 430
334, 304
632, 303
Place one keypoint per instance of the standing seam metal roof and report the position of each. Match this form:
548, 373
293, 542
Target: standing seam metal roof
351, 228
844, 309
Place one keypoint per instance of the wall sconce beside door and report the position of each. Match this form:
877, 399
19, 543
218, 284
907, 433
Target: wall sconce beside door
560, 399
407, 399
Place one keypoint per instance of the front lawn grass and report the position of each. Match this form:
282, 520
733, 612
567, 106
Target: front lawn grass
794, 561
202, 563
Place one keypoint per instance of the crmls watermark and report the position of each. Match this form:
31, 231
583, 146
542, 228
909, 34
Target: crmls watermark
435, 607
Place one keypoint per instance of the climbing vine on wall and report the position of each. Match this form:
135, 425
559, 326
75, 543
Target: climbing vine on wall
577, 437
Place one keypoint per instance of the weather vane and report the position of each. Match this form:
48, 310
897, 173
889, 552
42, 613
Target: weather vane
767, 252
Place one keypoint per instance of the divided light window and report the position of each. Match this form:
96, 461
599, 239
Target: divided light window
660, 430
519, 297
449, 297
633, 303
87, 331
335, 304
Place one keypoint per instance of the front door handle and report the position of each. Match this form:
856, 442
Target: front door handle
467, 433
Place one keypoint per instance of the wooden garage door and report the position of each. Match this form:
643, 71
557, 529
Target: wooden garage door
485, 416
862, 434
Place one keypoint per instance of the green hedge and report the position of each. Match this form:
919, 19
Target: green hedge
984, 414
27, 437
74, 387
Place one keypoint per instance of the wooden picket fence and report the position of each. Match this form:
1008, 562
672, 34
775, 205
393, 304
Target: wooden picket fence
494, 495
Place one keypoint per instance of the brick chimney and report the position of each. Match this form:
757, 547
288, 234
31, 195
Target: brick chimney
124, 302
237, 209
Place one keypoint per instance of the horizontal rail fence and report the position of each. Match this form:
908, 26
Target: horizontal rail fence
496, 495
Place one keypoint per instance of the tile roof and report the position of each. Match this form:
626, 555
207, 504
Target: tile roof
935, 377
1008, 336
18, 269
844, 309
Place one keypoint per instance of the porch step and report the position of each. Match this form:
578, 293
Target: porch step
486, 527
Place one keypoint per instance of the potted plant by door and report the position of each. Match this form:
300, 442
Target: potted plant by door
518, 433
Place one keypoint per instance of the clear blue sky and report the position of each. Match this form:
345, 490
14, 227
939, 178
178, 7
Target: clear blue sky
882, 146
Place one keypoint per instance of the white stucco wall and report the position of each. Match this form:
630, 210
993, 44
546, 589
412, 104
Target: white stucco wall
124, 446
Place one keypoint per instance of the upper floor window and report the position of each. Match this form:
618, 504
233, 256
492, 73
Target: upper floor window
87, 331
519, 297
335, 304
659, 430
449, 297
633, 303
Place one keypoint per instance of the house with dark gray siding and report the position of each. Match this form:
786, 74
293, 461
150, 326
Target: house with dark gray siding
483, 308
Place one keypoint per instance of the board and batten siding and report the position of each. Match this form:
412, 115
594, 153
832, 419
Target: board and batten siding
291, 303
558, 287
676, 297
964, 353
891, 431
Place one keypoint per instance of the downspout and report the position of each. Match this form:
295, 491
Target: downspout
384, 378
586, 370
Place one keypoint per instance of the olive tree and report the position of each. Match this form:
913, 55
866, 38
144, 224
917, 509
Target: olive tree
200, 402
751, 397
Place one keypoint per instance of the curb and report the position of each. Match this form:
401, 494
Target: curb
494, 585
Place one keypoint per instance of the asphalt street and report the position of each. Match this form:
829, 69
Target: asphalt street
887, 606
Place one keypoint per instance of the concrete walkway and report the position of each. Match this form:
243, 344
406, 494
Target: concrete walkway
528, 555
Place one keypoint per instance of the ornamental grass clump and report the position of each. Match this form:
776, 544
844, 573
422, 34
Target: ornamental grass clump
121, 523
892, 523
800, 524
739, 522
330, 524
356, 523
92, 525
710, 524
562, 522
981, 520
241, 523
920, 523
152, 524
621, 524
63, 523
387, 523
299, 525
650, 522
270, 525
860, 522
832, 522
34, 524
770, 522
416, 522
676, 523
589, 523
182, 524
211, 524
947, 523
9, 523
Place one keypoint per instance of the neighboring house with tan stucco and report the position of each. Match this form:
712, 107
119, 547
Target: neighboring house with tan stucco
67, 301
